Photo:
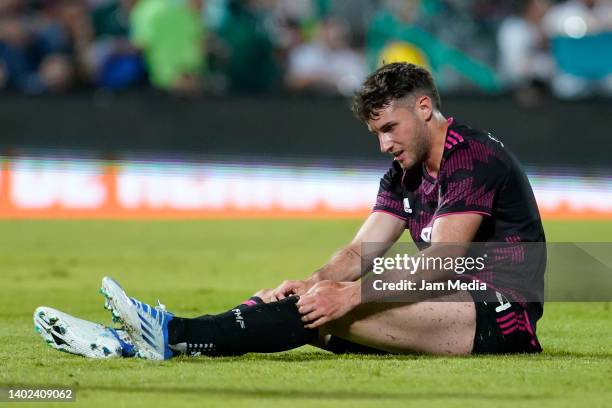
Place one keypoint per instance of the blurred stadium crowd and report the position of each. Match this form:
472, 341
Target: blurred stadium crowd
186, 47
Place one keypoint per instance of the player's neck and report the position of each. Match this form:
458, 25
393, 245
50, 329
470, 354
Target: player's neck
438, 137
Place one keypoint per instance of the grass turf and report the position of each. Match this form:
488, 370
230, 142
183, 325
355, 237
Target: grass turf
209, 266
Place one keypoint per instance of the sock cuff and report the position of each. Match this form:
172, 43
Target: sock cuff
252, 301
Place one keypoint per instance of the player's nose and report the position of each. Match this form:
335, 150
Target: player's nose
385, 143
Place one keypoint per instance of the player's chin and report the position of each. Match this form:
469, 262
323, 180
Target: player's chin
406, 163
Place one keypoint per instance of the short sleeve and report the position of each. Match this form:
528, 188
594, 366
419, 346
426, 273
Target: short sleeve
470, 181
390, 198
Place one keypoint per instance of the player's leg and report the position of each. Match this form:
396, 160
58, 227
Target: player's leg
443, 326
277, 326
262, 328
459, 324
158, 334
73, 335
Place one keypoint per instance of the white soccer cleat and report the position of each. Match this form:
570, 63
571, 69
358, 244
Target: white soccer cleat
72, 335
147, 326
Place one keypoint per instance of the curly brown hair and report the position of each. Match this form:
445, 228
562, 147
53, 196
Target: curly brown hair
393, 82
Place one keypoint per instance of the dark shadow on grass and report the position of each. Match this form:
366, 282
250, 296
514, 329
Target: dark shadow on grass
307, 395
604, 355
288, 357
293, 357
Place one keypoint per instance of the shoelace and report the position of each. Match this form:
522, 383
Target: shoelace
160, 306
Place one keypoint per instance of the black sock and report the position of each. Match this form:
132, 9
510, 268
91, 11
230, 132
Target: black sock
262, 328
252, 301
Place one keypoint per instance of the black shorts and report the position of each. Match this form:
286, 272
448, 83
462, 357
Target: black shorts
504, 327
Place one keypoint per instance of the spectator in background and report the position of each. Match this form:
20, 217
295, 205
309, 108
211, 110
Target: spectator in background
401, 21
577, 18
356, 13
171, 36
36, 50
249, 59
294, 21
326, 65
73, 15
581, 35
112, 61
525, 62
461, 24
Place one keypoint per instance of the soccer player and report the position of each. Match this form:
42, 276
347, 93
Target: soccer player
448, 183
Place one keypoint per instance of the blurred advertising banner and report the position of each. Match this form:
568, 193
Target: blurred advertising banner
77, 188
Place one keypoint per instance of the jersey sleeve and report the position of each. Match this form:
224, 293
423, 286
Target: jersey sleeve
470, 181
390, 199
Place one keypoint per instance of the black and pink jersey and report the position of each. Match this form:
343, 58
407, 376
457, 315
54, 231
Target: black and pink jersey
477, 174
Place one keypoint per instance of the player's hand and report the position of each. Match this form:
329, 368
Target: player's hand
327, 301
292, 287
266, 295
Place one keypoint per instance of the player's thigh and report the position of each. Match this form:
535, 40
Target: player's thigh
442, 326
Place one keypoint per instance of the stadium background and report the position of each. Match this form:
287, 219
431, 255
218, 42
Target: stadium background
230, 120
239, 108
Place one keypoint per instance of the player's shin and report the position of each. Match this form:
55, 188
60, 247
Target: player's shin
261, 328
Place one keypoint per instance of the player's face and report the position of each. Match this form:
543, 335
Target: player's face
402, 134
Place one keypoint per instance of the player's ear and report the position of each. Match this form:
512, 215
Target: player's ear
424, 107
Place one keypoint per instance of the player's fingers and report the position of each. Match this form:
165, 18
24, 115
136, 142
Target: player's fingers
300, 289
284, 290
317, 323
305, 300
305, 309
314, 315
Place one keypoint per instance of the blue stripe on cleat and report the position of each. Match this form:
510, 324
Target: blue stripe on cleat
144, 322
144, 330
145, 338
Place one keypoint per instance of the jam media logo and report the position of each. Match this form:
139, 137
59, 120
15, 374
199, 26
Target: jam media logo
239, 318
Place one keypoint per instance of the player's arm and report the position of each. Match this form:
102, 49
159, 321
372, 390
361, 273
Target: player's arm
451, 236
456, 228
346, 264
327, 300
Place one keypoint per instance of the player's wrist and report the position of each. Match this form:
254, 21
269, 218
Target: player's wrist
314, 278
353, 293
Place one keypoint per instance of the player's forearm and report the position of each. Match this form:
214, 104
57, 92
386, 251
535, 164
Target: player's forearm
347, 265
344, 266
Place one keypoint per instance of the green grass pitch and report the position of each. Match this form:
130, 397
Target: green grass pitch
208, 266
